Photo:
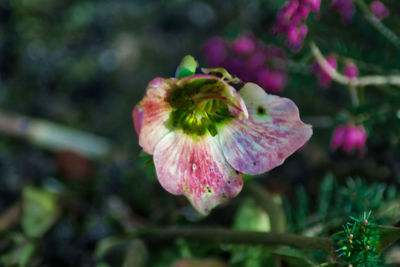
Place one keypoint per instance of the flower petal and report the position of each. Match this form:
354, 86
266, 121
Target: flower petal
272, 133
151, 114
197, 169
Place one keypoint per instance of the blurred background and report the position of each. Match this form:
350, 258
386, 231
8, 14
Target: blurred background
73, 182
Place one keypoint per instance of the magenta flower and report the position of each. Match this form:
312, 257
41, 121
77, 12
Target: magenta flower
244, 45
349, 137
247, 57
345, 8
379, 10
204, 135
273, 80
291, 20
324, 79
350, 70
215, 48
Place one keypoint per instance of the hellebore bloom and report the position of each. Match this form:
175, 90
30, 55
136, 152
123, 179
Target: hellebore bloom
379, 10
204, 135
349, 137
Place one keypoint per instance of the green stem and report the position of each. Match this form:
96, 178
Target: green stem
265, 200
225, 236
378, 25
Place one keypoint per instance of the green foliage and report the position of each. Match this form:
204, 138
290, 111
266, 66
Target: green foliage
39, 211
358, 242
336, 202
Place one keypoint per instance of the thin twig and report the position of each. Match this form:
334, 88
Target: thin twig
225, 236
354, 95
378, 25
10, 217
356, 82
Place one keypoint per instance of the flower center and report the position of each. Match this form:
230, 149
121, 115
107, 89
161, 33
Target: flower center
199, 106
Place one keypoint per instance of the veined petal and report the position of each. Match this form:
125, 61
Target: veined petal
151, 114
197, 169
272, 133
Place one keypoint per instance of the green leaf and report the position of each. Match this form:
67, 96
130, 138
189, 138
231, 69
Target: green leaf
187, 67
296, 257
251, 217
387, 236
21, 254
39, 211
104, 245
137, 255
301, 210
326, 192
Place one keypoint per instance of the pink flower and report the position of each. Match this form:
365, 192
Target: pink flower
345, 8
273, 81
244, 45
349, 137
324, 79
215, 48
204, 135
291, 20
379, 10
350, 70
246, 57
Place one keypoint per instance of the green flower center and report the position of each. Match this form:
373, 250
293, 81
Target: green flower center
199, 106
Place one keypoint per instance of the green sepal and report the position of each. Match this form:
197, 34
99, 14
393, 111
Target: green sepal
387, 236
187, 67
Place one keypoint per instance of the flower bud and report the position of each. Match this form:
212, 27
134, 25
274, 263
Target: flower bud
379, 10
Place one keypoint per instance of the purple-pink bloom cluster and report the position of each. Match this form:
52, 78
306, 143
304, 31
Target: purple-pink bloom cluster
324, 79
349, 137
250, 60
291, 20
345, 8
379, 10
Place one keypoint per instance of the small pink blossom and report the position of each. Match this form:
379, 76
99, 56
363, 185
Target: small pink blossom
324, 79
216, 49
247, 56
350, 70
379, 10
345, 8
349, 137
273, 81
204, 135
244, 45
291, 20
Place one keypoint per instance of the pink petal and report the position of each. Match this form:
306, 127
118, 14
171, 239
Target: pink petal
338, 136
197, 169
151, 114
137, 115
263, 141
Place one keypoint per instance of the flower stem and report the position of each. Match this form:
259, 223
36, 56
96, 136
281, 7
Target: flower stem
378, 25
354, 95
356, 82
226, 236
